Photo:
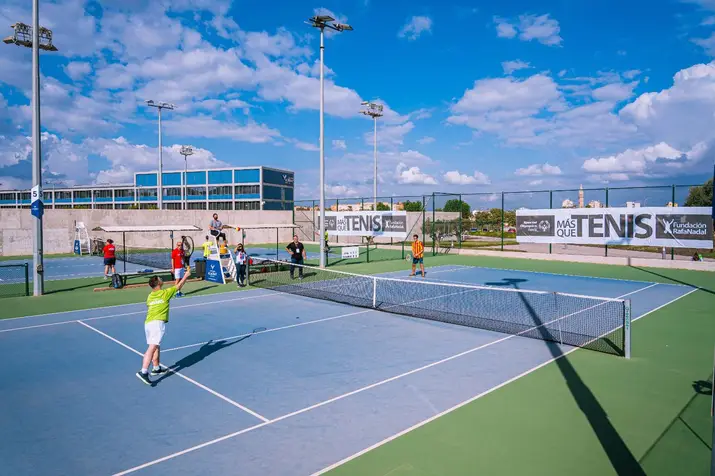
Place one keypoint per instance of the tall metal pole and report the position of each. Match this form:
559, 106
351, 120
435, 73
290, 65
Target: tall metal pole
38, 268
159, 192
374, 191
322, 152
186, 179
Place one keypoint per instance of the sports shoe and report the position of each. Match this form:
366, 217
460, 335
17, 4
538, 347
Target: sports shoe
159, 371
144, 378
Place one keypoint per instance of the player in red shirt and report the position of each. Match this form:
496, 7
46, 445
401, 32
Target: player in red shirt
110, 258
177, 262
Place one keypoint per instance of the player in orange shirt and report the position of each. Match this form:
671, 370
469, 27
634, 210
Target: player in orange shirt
418, 251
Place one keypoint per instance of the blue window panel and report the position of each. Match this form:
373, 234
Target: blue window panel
196, 197
245, 196
220, 176
288, 205
7, 202
196, 178
220, 197
273, 206
272, 193
123, 199
147, 199
82, 200
146, 180
171, 178
27, 200
278, 178
247, 176
63, 200
101, 199
289, 194
172, 197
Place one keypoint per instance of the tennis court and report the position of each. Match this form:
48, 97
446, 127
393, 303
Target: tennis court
266, 382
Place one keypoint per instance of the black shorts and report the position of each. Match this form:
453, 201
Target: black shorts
110, 261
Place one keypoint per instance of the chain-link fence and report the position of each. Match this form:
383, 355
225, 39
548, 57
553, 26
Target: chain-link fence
14, 280
487, 220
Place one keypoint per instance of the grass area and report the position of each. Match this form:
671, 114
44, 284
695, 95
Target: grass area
541, 423
29, 257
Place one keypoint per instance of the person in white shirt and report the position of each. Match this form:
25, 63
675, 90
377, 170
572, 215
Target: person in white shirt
241, 263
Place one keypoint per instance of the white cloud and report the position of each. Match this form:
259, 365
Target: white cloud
615, 91
539, 169
426, 140
205, 126
412, 176
390, 136
415, 27
541, 28
307, 146
511, 66
339, 144
341, 191
78, 70
633, 160
707, 44
454, 177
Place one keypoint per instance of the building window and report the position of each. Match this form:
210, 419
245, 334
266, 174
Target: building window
85, 206
172, 206
7, 196
196, 192
124, 193
147, 192
105, 206
247, 206
248, 189
102, 194
147, 206
213, 191
220, 206
63, 195
83, 194
196, 206
24, 195
122, 206
172, 192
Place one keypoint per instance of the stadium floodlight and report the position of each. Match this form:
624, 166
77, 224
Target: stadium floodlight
37, 38
186, 151
322, 22
159, 176
373, 110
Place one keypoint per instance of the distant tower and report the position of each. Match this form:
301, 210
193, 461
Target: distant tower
580, 196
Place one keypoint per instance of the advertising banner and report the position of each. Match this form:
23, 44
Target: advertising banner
679, 227
214, 272
389, 224
350, 252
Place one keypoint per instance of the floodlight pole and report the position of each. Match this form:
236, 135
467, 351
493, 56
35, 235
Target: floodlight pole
32, 39
322, 22
373, 110
186, 150
160, 175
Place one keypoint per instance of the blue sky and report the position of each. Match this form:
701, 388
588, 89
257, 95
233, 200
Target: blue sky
478, 96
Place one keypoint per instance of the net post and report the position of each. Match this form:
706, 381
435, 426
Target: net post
27, 279
374, 293
502, 221
434, 237
558, 318
627, 329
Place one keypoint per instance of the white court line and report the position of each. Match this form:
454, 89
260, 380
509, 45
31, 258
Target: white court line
474, 398
464, 266
188, 379
360, 390
143, 311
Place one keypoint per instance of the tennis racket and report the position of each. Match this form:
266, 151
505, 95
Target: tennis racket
188, 246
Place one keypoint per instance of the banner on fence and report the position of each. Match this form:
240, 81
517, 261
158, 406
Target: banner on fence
350, 252
389, 224
680, 227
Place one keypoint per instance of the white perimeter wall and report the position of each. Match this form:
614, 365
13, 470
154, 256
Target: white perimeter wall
59, 227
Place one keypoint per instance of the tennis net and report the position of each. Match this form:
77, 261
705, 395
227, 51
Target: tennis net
596, 323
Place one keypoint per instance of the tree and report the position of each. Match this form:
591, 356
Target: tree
454, 205
412, 206
383, 207
701, 196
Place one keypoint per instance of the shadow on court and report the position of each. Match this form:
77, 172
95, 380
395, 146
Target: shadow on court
621, 458
204, 351
710, 291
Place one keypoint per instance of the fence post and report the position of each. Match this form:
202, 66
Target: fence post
551, 206
337, 209
312, 207
391, 209
424, 217
606, 207
461, 205
432, 230
502, 221
672, 249
27, 279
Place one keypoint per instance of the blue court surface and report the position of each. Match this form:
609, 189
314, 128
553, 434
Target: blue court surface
283, 255
265, 383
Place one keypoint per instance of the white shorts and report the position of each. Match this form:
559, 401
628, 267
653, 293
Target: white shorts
154, 331
179, 273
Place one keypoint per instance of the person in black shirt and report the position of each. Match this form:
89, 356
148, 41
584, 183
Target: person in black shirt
297, 254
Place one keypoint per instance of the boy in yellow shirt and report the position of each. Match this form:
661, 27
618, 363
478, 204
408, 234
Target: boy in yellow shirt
157, 315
